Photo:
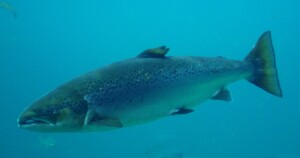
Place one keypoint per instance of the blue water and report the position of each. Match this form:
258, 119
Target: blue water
50, 42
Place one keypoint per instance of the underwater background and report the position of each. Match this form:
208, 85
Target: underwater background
46, 43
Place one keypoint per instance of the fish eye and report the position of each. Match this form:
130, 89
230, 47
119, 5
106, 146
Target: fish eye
47, 111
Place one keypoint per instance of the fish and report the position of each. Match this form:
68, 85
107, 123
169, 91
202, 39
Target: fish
148, 87
8, 7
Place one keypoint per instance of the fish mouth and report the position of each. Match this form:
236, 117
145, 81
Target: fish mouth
33, 122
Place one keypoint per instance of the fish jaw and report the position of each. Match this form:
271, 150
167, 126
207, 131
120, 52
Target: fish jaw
58, 111
29, 120
33, 121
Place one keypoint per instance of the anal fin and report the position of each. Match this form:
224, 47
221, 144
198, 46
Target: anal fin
223, 94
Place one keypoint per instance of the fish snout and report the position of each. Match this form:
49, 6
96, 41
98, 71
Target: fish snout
30, 119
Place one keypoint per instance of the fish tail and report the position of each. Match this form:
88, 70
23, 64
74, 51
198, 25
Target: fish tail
262, 57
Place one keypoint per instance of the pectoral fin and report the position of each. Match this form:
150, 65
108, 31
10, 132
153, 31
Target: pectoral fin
93, 118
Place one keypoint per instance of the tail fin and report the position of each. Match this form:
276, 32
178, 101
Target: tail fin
263, 58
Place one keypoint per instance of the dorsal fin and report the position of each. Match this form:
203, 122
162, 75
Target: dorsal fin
159, 52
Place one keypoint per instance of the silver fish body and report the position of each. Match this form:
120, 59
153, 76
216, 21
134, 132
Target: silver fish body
144, 89
147, 87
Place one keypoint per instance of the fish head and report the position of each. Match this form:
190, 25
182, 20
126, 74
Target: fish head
59, 111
